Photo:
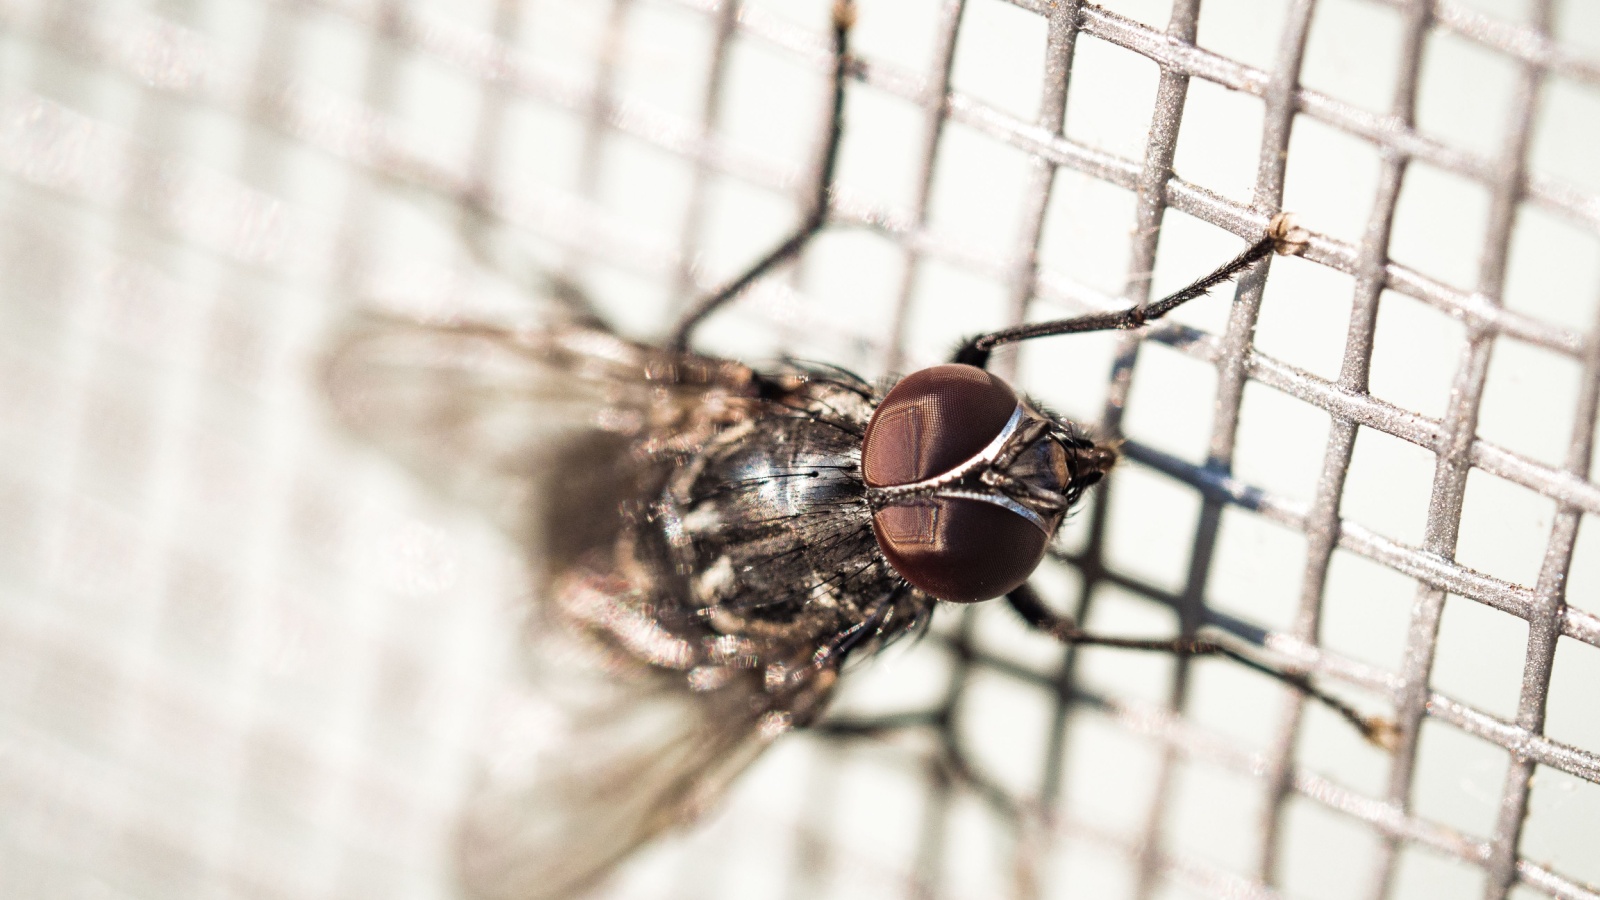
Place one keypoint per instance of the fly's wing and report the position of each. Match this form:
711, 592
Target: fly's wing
517, 422
540, 427
604, 753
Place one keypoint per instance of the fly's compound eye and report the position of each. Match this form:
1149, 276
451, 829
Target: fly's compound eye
953, 548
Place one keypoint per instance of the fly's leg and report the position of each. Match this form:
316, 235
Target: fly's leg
816, 216
1026, 602
1282, 236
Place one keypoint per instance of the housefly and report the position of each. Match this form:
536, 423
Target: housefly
717, 540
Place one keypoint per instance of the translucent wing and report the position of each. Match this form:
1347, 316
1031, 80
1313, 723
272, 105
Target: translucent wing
606, 753
530, 425
558, 432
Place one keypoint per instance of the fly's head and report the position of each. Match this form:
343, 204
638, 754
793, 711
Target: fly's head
968, 482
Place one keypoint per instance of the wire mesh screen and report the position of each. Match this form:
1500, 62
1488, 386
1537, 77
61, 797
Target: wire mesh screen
245, 656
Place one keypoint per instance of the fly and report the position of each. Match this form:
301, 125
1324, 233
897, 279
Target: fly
718, 540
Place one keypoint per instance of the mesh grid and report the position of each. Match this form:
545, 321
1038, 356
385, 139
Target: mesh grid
244, 658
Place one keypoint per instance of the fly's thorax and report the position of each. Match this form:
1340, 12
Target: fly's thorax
761, 534
968, 481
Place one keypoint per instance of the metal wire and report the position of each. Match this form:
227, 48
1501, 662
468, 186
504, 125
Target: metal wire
61, 145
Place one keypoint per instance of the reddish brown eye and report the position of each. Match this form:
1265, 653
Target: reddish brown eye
954, 549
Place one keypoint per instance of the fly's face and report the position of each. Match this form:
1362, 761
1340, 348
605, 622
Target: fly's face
968, 482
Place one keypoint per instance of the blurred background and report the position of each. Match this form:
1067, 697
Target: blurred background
243, 655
